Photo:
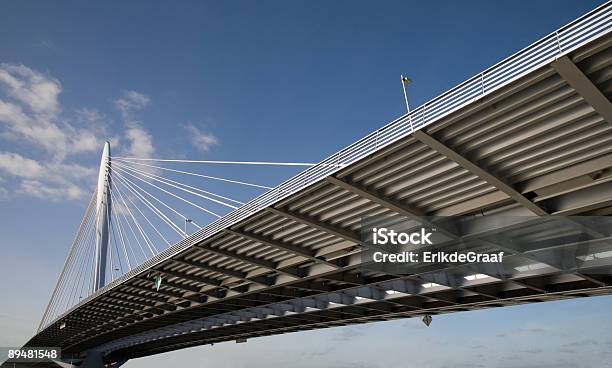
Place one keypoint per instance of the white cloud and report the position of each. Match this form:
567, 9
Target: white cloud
38, 131
54, 193
95, 131
130, 102
31, 116
17, 165
140, 142
52, 181
30, 113
35, 90
201, 140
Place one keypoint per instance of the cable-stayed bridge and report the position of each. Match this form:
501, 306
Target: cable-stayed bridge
160, 262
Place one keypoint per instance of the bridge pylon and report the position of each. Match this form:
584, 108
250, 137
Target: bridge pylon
103, 211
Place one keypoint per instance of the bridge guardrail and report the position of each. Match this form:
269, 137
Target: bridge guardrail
566, 39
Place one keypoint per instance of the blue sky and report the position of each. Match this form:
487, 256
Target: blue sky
277, 81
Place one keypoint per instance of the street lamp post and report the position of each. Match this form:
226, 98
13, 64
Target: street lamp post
405, 82
187, 221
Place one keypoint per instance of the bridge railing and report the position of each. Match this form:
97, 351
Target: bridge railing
568, 38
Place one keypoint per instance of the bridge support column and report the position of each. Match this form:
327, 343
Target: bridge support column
103, 208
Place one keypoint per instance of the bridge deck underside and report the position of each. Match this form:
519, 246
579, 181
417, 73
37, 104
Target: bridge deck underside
540, 146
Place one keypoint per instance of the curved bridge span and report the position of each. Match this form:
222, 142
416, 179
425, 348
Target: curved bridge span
529, 139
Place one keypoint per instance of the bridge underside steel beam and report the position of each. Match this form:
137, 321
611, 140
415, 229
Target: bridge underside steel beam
584, 86
535, 148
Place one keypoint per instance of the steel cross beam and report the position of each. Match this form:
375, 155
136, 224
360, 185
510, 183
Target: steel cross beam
125, 289
379, 198
167, 293
480, 172
190, 277
297, 250
402, 210
319, 225
566, 68
391, 204
269, 265
138, 302
184, 288
225, 271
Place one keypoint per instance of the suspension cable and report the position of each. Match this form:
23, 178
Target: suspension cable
129, 225
152, 248
196, 174
142, 233
127, 222
169, 183
151, 206
170, 193
81, 261
220, 162
118, 226
62, 293
152, 196
148, 221
84, 219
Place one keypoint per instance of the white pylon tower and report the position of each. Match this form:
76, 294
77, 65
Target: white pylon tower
103, 210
